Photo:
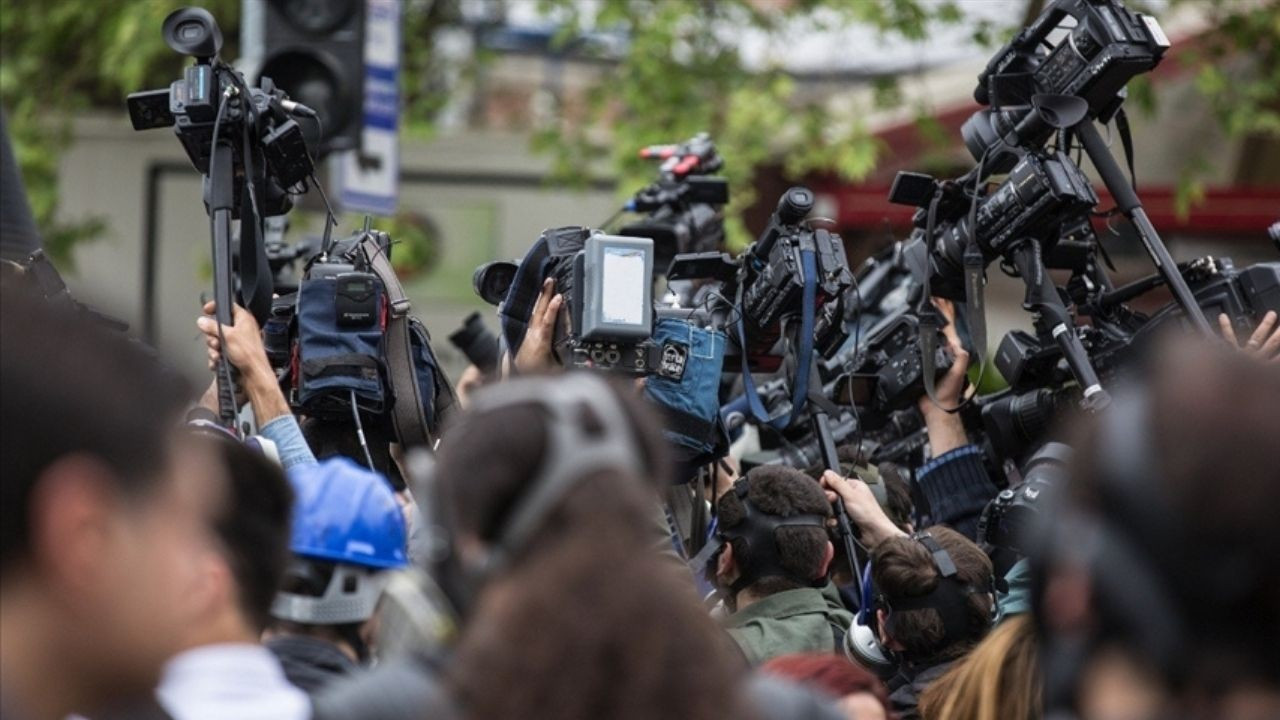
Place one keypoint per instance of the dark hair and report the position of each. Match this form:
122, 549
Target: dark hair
338, 438
253, 527
831, 674
782, 492
904, 567
616, 627
898, 505
1209, 489
73, 387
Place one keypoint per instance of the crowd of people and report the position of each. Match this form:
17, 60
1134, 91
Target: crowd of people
154, 565
529, 564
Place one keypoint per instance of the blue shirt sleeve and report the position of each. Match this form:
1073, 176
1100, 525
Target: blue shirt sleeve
292, 446
957, 487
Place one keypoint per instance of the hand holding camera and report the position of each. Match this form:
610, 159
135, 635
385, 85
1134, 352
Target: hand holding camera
241, 344
535, 352
873, 524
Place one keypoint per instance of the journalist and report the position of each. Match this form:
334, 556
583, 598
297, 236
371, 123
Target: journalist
543, 498
223, 672
348, 532
934, 593
772, 566
1161, 560
106, 507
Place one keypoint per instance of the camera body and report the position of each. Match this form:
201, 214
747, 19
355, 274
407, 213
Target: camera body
1093, 61
887, 374
772, 279
684, 208
607, 285
1045, 191
190, 105
477, 343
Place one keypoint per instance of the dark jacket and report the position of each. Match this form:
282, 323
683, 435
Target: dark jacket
955, 488
906, 688
792, 621
310, 663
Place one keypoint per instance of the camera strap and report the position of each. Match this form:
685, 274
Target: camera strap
408, 417
975, 264
256, 284
800, 379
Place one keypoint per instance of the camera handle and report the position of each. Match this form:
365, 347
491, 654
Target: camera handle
1042, 297
221, 194
1126, 199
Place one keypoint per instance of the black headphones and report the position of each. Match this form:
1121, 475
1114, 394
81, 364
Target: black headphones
757, 530
573, 453
949, 598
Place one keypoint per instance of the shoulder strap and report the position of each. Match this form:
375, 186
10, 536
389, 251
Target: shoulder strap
407, 415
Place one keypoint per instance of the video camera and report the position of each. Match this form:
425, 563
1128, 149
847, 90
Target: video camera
887, 373
477, 343
766, 284
252, 154
684, 207
211, 96
607, 285
1043, 193
1033, 86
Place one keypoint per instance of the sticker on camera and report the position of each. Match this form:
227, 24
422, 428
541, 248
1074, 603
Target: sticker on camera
674, 359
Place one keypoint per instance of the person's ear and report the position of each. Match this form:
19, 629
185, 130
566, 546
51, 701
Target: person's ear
72, 510
726, 566
212, 586
827, 557
882, 620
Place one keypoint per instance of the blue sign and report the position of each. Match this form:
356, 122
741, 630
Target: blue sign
370, 176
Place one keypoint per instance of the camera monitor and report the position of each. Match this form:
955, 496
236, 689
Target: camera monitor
617, 290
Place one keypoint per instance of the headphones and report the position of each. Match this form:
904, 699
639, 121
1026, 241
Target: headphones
949, 598
757, 530
573, 453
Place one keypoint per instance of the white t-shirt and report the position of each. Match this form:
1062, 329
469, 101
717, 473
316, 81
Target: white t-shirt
230, 682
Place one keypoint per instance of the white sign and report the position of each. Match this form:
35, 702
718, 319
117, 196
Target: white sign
369, 177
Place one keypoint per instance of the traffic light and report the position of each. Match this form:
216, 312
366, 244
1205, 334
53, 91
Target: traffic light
314, 51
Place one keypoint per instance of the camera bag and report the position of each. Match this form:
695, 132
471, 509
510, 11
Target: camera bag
388, 366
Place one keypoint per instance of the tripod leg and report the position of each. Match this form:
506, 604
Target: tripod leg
1128, 202
1043, 298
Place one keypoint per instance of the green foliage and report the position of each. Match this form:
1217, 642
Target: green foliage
61, 58
1237, 69
682, 74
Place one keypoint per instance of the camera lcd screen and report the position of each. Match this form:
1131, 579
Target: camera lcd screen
623, 286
